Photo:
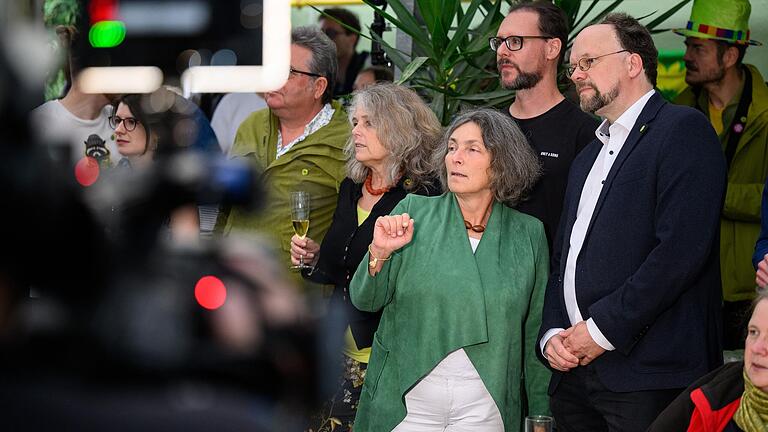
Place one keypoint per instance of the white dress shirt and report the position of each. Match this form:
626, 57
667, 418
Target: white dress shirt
613, 137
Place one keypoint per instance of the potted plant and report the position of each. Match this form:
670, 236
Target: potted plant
451, 63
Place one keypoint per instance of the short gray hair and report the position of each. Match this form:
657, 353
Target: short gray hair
762, 294
404, 125
514, 166
323, 55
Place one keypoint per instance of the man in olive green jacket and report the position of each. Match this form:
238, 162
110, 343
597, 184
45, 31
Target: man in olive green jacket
735, 99
297, 143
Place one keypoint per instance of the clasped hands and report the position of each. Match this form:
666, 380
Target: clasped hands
572, 347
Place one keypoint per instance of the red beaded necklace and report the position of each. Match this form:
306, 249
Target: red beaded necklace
370, 188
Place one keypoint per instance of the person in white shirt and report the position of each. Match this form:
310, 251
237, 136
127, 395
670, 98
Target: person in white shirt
230, 113
632, 310
79, 120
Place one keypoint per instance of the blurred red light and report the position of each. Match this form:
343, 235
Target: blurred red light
210, 292
102, 10
87, 171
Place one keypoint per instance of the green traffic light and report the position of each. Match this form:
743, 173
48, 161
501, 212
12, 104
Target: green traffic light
107, 34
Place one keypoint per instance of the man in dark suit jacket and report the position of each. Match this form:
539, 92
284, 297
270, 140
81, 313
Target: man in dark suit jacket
631, 314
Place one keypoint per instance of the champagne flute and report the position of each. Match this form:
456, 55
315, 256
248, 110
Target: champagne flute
300, 219
538, 423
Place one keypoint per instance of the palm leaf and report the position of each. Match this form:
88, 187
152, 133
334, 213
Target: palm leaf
411, 69
461, 30
608, 9
663, 17
570, 7
589, 9
438, 107
408, 25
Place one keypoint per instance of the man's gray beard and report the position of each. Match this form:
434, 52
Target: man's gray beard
524, 81
599, 100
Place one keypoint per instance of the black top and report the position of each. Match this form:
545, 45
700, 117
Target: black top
355, 66
557, 136
345, 245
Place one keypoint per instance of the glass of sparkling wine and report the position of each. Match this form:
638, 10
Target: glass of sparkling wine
538, 423
300, 219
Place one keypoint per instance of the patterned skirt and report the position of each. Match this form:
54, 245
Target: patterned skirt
338, 412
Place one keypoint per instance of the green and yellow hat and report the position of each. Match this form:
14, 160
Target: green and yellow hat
721, 20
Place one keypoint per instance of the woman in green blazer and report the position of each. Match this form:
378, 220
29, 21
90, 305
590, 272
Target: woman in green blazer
461, 295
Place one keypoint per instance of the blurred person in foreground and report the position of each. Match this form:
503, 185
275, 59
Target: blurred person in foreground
143, 135
734, 97
733, 398
632, 311
459, 280
393, 136
298, 144
126, 345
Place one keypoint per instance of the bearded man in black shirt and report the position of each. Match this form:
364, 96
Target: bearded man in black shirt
530, 44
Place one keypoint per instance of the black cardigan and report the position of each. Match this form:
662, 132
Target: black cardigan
345, 245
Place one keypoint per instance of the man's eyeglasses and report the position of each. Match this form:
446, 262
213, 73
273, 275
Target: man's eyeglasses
513, 43
129, 123
312, 74
585, 63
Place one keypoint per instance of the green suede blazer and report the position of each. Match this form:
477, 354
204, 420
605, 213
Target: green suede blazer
437, 296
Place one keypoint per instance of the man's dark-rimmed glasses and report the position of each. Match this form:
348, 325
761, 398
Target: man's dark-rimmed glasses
312, 74
513, 43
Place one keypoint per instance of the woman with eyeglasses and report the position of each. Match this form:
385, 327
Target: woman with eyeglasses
141, 135
133, 135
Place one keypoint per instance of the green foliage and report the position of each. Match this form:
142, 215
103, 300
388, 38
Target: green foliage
54, 86
451, 64
60, 12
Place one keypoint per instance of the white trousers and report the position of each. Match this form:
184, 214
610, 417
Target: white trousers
452, 398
